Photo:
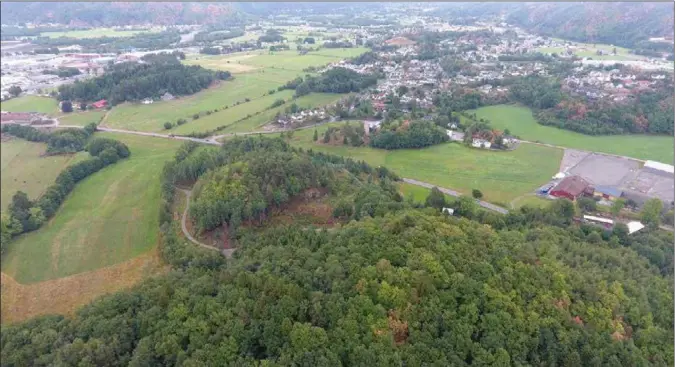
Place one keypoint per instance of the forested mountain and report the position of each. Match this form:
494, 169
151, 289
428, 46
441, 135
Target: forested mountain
119, 13
622, 24
398, 285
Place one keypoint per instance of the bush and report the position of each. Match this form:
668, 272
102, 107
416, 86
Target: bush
195, 116
168, 125
180, 121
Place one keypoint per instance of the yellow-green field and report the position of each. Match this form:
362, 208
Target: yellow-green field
31, 104
95, 33
110, 217
590, 50
24, 168
81, 118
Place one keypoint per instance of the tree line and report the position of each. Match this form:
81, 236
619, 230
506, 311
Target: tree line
417, 134
146, 41
131, 81
70, 140
403, 284
26, 215
335, 80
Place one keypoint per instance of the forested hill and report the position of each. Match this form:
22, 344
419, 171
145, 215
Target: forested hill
395, 286
621, 24
118, 13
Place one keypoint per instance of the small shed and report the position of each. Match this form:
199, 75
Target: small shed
607, 223
607, 192
634, 226
168, 97
449, 211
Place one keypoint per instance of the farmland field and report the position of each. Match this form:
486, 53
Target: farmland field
589, 50
419, 193
255, 74
110, 217
81, 118
94, 33
31, 104
24, 169
501, 176
520, 121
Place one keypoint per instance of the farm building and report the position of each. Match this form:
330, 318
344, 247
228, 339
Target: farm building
481, 143
607, 223
571, 188
607, 192
658, 167
99, 104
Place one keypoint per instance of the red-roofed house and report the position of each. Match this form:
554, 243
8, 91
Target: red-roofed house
100, 104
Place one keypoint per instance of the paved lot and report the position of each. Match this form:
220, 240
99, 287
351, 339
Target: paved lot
650, 183
571, 158
604, 170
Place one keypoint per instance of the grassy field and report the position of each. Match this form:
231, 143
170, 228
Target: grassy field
589, 50
501, 176
94, 33
255, 122
81, 118
418, 193
255, 73
519, 121
110, 217
31, 104
531, 200
24, 169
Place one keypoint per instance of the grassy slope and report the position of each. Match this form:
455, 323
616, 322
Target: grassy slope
519, 121
31, 104
501, 176
24, 169
81, 118
110, 217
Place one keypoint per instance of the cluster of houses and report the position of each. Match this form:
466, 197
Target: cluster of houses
302, 117
612, 84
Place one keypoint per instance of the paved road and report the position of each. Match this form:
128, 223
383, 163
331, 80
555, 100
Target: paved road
483, 204
183, 226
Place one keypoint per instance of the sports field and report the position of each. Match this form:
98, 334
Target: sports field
31, 104
501, 176
23, 168
520, 121
95, 32
110, 217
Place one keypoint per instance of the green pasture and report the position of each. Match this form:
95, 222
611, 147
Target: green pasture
501, 176
520, 121
81, 118
111, 216
31, 104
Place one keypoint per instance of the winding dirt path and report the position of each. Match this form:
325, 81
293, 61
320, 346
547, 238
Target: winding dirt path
183, 225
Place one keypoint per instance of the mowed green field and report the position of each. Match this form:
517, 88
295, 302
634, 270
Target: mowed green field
111, 216
31, 104
81, 118
255, 74
501, 176
230, 116
23, 168
95, 32
589, 50
520, 121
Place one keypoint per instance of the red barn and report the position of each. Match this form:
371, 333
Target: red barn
99, 104
571, 188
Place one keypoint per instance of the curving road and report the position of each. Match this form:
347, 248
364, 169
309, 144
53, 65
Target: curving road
483, 204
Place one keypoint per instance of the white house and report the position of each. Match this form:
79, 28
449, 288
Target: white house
147, 101
449, 211
481, 143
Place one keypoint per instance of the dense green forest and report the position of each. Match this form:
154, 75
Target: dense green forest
335, 80
417, 134
148, 41
398, 285
132, 81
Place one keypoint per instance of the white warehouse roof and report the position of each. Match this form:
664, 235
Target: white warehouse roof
660, 166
